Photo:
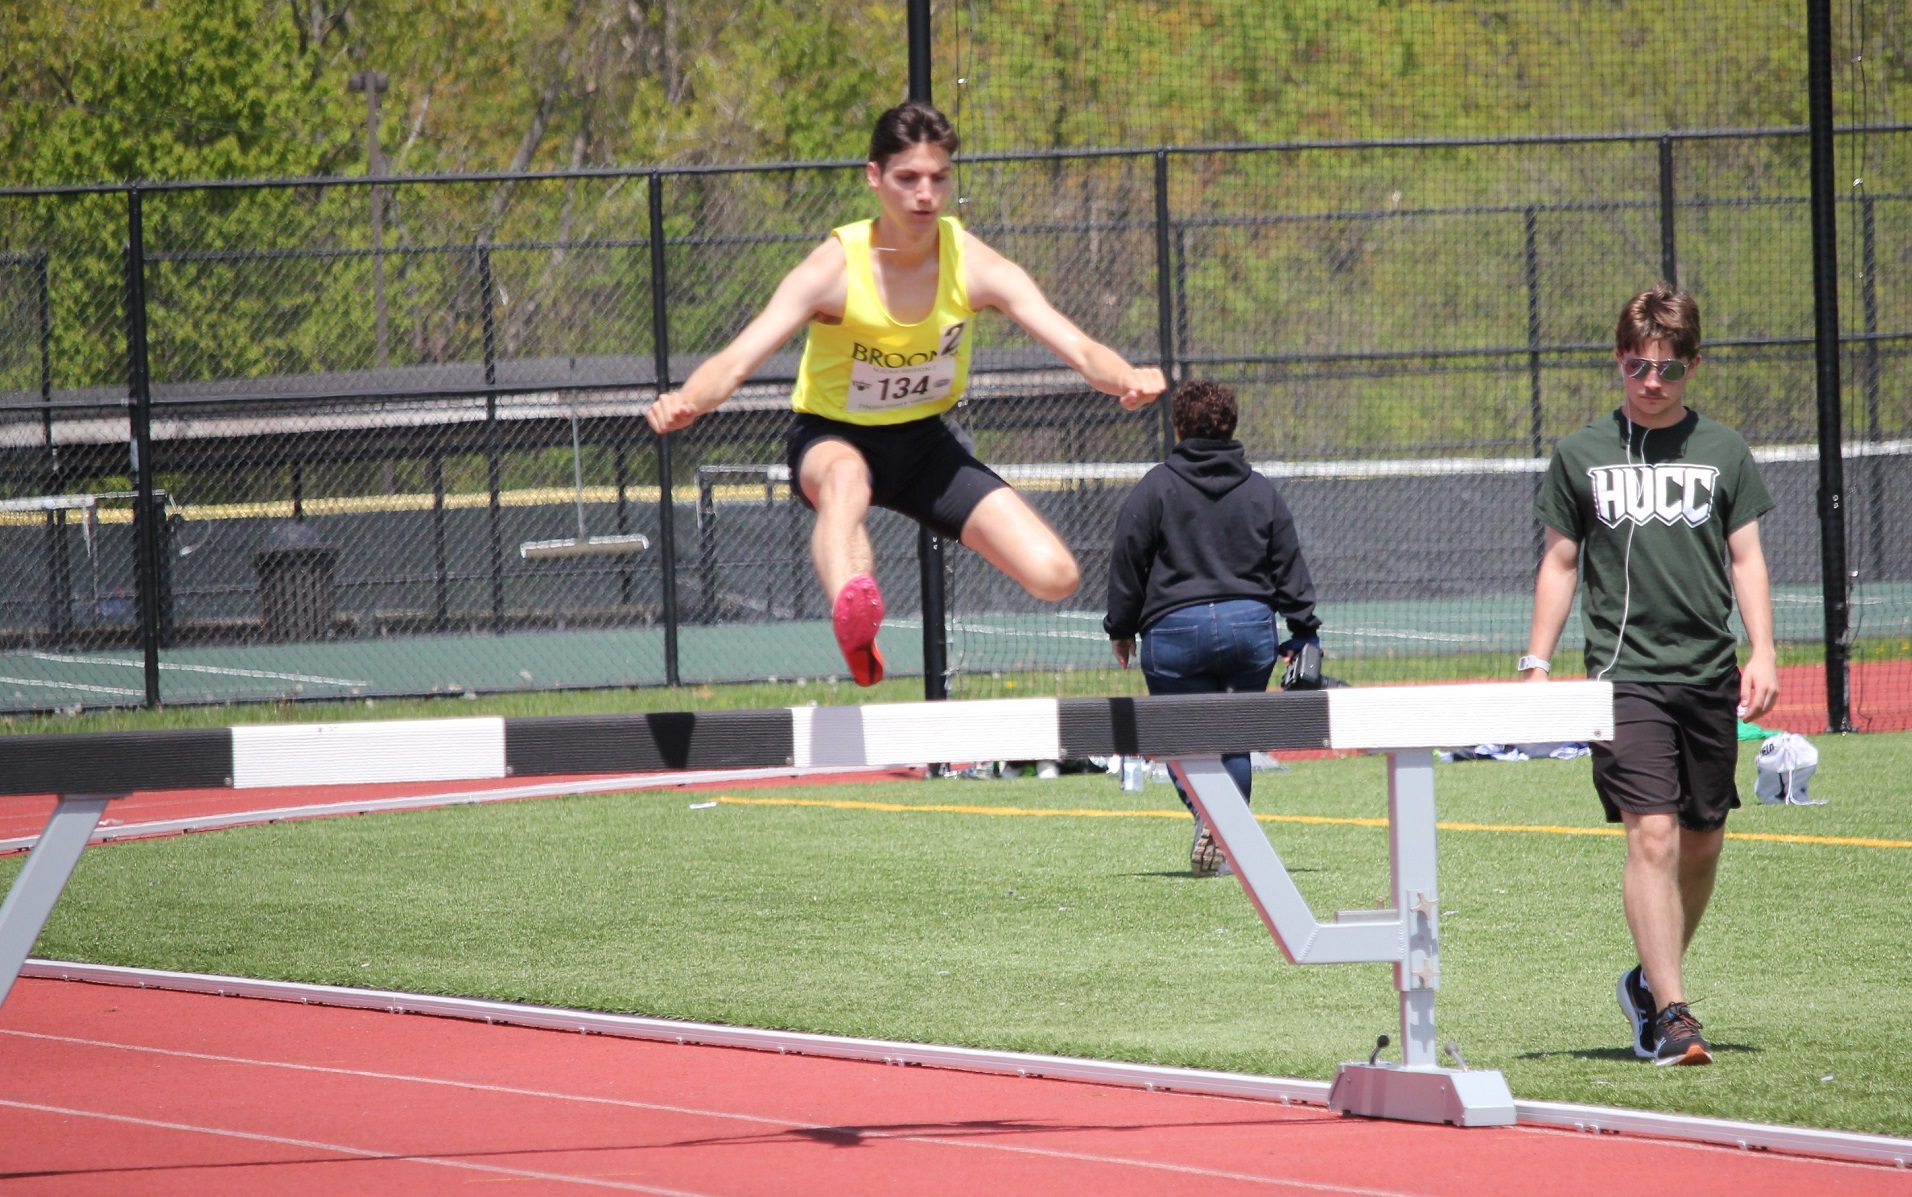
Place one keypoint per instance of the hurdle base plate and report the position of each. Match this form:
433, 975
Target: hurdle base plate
1422, 1094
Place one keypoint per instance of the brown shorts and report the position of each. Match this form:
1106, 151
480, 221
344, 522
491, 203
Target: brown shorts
1675, 750
924, 469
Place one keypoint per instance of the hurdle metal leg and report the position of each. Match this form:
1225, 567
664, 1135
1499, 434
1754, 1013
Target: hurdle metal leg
1411, 859
50, 863
1418, 1089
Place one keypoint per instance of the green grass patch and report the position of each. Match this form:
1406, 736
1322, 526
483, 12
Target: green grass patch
1058, 916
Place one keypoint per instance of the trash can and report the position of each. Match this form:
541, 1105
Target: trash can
298, 596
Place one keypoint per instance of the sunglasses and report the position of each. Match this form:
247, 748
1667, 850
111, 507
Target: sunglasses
1670, 370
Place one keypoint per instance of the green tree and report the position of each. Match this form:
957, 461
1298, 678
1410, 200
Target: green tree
169, 89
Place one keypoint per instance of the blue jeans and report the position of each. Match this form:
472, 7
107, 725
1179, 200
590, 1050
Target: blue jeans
1211, 648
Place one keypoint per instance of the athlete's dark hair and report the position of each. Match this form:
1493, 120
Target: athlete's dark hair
1205, 409
910, 124
1660, 313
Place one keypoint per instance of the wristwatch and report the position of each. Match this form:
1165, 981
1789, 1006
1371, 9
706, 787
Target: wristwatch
1532, 662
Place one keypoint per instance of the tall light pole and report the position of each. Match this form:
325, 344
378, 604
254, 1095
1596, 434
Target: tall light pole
373, 84
1835, 582
929, 546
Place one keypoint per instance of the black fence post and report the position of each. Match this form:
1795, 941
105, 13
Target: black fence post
441, 567
1825, 303
801, 585
1164, 303
932, 577
1181, 292
60, 572
661, 368
706, 547
140, 393
43, 299
1669, 255
1869, 297
494, 470
1536, 415
621, 475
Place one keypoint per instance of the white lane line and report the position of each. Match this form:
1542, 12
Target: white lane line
220, 670
693, 1112
343, 1149
909, 623
1414, 634
50, 684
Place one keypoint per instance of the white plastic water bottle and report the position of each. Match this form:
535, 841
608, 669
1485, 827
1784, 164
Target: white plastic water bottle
1135, 774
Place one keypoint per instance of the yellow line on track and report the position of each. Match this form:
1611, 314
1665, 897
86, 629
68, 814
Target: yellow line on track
1839, 841
948, 809
1843, 841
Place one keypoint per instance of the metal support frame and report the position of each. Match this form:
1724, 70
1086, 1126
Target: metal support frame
40, 881
1406, 935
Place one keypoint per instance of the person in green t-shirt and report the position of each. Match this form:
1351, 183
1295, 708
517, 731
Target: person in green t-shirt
1652, 513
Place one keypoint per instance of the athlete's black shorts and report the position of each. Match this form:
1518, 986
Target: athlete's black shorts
924, 469
1675, 750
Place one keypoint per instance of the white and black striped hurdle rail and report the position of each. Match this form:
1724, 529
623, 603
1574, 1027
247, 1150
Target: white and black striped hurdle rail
88, 770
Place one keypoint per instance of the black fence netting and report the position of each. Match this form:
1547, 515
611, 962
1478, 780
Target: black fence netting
1403, 233
291, 439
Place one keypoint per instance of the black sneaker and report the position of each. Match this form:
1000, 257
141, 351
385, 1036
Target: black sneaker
1636, 1002
1680, 1041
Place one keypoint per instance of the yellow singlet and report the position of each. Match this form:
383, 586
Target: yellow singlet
873, 369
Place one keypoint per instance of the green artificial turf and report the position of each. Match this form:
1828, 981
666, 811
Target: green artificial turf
1058, 916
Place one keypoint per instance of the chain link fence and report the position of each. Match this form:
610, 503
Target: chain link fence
358, 400
1407, 353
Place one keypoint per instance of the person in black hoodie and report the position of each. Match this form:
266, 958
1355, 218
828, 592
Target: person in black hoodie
1205, 556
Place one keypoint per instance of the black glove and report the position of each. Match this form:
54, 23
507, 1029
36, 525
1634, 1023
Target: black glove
1304, 663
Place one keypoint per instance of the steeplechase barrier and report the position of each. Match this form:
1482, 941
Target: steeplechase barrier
88, 771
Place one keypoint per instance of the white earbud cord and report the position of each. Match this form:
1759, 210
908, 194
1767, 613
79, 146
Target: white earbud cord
1626, 559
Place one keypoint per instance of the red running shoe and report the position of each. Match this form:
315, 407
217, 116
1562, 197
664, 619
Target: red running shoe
858, 614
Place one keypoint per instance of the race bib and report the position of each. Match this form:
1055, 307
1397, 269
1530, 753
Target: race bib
885, 388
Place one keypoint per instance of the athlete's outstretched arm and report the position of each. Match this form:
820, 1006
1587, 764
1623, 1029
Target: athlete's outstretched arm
815, 286
996, 282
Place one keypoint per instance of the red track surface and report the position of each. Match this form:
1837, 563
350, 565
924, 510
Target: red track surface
114, 1091
1879, 694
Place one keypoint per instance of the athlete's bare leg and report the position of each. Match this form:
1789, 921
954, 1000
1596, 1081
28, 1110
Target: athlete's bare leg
1009, 535
1699, 869
836, 480
1654, 904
